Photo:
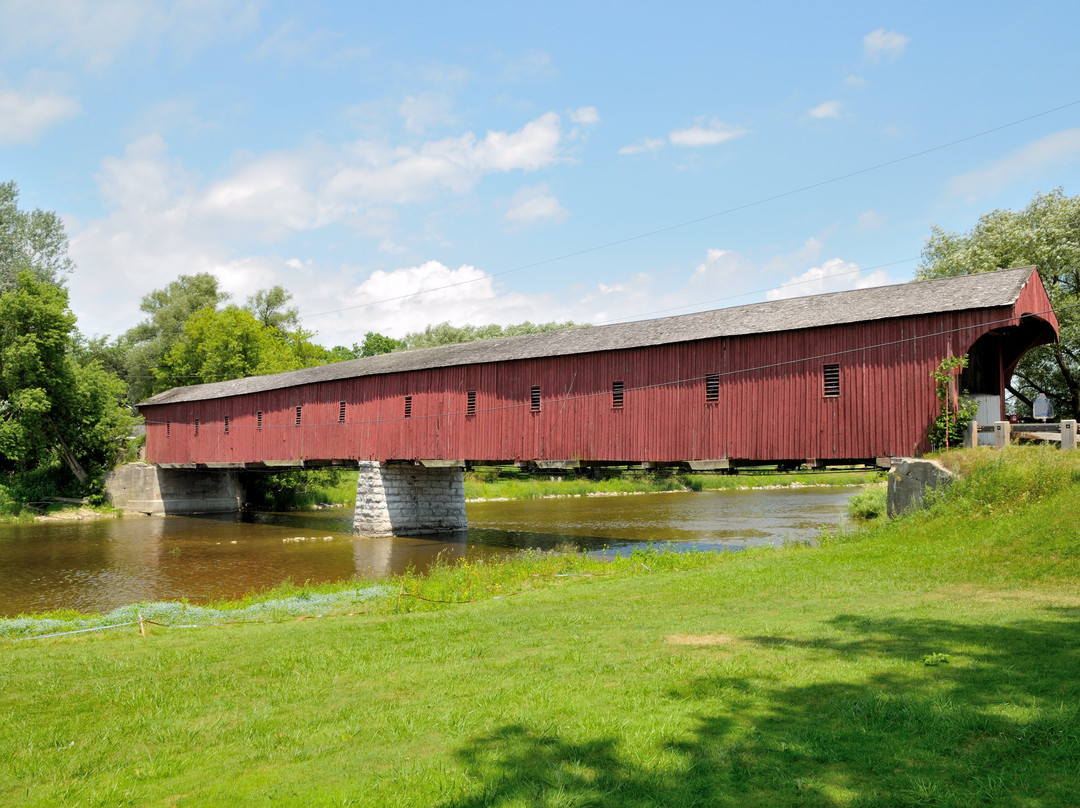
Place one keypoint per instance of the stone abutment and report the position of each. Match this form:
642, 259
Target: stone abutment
409, 500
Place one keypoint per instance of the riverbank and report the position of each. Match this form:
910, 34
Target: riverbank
509, 483
506, 484
930, 660
60, 512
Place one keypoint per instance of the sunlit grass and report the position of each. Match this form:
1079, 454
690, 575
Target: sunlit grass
510, 484
926, 661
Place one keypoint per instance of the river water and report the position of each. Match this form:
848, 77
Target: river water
96, 566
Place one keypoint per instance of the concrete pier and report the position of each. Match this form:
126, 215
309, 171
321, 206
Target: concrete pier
142, 488
409, 499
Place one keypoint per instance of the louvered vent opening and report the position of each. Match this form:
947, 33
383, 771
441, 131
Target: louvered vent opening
534, 399
299, 410
831, 376
470, 405
408, 406
196, 426
712, 387
341, 412
258, 420
616, 395
168, 429
226, 425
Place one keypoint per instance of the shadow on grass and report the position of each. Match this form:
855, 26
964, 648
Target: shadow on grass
954, 715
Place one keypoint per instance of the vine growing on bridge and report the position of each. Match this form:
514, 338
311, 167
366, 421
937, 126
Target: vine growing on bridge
955, 409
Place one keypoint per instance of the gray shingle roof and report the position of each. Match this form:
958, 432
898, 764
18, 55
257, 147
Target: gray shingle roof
984, 290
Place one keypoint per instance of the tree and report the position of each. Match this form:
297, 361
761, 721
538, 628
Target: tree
146, 345
30, 241
53, 410
447, 334
220, 345
1047, 234
268, 307
373, 345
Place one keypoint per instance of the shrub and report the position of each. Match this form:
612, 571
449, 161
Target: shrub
870, 503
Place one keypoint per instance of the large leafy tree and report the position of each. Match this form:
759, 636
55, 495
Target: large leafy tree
168, 310
57, 417
1047, 234
270, 307
221, 345
30, 241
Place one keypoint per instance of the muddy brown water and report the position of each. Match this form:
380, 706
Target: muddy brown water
99, 565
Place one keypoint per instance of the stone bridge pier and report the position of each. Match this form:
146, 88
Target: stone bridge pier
410, 499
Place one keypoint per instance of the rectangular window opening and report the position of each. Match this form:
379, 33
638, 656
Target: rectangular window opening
408, 406
226, 425
196, 426
298, 412
616, 395
470, 406
341, 412
258, 420
712, 387
831, 381
534, 399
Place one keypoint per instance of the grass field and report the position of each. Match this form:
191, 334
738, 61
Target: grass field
932, 661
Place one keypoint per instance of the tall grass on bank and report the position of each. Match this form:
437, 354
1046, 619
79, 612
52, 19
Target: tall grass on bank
445, 583
505, 483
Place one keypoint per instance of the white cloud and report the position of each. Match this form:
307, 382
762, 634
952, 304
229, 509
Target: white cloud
531, 206
713, 134
883, 45
25, 114
531, 65
828, 109
164, 220
427, 111
325, 48
869, 220
387, 302
95, 32
858, 82
280, 192
834, 275
1053, 151
586, 116
649, 144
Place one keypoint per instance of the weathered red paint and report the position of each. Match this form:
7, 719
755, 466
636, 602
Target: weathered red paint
771, 405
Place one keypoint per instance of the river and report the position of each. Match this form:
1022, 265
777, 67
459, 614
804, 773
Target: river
95, 566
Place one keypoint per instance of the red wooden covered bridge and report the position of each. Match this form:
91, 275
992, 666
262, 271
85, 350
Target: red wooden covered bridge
826, 379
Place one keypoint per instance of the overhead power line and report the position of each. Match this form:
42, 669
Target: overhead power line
687, 223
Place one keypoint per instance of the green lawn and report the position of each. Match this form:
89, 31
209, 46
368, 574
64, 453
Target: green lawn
931, 661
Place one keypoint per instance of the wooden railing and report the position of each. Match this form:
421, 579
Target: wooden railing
1006, 431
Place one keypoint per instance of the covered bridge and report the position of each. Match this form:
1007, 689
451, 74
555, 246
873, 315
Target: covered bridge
834, 378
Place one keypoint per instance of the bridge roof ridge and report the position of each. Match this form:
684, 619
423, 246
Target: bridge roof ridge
963, 292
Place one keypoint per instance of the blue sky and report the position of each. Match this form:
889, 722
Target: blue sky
587, 161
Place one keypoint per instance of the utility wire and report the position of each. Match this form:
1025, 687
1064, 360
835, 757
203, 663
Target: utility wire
708, 217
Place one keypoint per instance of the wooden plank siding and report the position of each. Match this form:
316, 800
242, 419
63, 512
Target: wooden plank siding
771, 403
